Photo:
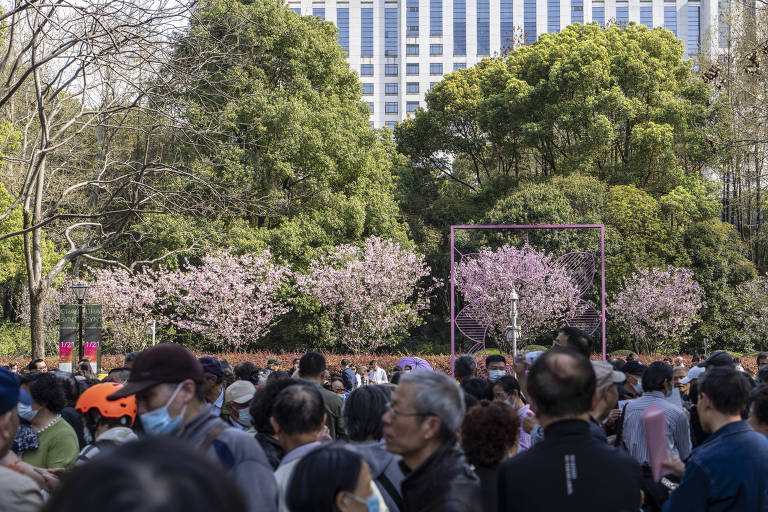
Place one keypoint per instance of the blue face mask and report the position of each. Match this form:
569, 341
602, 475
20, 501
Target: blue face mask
494, 375
244, 417
159, 421
371, 503
27, 412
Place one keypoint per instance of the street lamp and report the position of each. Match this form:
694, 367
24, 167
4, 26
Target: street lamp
513, 331
80, 290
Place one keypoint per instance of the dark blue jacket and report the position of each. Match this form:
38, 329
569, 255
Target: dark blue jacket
348, 379
727, 472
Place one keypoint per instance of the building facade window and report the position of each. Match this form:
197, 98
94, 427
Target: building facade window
412, 68
435, 17
390, 69
390, 107
598, 14
459, 65
297, 10
723, 30
693, 40
366, 69
412, 18
483, 27
459, 27
529, 21
622, 14
367, 89
366, 32
319, 12
435, 49
390, 32
372, 127
553, 16
577, 11
506, 23
432, 84
370, 106
390, 124
436, 68
646, 15
670, 18
411, 106
412, 88
411, 49
390, 89
342, 21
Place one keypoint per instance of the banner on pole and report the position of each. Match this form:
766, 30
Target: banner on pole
67, 335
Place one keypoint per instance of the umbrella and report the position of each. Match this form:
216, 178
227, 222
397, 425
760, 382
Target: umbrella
416, 363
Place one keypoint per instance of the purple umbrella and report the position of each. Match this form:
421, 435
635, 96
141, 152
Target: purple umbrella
416, 363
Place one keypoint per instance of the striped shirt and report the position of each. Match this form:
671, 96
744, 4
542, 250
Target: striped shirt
678, 429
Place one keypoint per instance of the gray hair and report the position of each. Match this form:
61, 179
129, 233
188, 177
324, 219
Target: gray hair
465, 366
437, 394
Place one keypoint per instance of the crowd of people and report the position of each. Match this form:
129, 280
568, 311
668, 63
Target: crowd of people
548, 431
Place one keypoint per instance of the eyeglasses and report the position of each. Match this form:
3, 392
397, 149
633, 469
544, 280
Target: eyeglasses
388, 408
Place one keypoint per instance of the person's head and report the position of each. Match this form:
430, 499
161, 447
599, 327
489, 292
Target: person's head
151, 475
311, 365
507, 389
762, 375
100, 414
679, 361
264, 401
695, 359
574, 338
723, 396
678, 374
295, 364
118, 375
561, 384
426, 411
395, 378
273, 364
495, 362
606, 392
478, 387
363, 409
298, 415
237, 401
9, 418
489, 433
344, 363
130, 358
758, 410
617, 363
464, 367
658, 377
13, 367
331, 479
37, 365
47, 392
244, 370
337, 385
213, 380
718, 359
167, 381
84, 369
762, 359
279, 374
373, 365
408, 368
634, 371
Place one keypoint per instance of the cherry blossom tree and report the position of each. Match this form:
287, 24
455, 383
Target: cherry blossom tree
658, 307
752, 300
547, 293
372, 295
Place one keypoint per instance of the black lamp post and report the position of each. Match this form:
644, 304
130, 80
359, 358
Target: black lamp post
80, 290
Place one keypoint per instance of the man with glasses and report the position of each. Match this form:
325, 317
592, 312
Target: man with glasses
420, 424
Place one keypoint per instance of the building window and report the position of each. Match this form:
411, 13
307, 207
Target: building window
411, 106
297, 10
431, 85
372, 125
622, 14
506, 23
370, 106
390, 124
366, 32
390, 107
390, 69
670, 18
412, 68
459, 65
598, 14
319, 12
459, 27
412, 18
435, 49
553, 16
411, 49
366, 69
412, 88
723, 29
390, 89
529, 21
436, 68
692, 42
342, 21
483, 27
577, 11
367, 89
435, 17
646, 15
390, 32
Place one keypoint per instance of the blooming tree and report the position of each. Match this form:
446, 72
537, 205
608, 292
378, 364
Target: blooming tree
658, 307
752, 299
372, 294
547, 293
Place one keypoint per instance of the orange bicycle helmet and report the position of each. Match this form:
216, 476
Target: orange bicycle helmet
95, 397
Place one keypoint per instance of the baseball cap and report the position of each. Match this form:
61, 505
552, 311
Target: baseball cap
605, 374
165, 362
9, 391
693, 373
719, 358
239, 392
211, 365
633, 367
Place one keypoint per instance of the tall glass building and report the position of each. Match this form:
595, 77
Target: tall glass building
401, 48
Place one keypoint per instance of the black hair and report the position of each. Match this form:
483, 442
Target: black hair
119, 375
469, 400
132, 355
47, 391
311, 365
509, 384
478, 387
761, 355
395, 379
495, 358
279, 374
363, 409
617, 363
762, 376
758, 400
578, 340
656, 375
561, 382
344, 362
151, 475
244, 370
299, 408
264, 401
320, 476
464, 367
32, 366
727, 388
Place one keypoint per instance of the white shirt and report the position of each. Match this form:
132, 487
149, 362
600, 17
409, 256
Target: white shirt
377, 376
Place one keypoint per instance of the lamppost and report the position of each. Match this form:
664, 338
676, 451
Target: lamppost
80, 290
513, 331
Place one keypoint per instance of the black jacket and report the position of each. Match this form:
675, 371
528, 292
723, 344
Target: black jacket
442, 483
570, 471
489, 483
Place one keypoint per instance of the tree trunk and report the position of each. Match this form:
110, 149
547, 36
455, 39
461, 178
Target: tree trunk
36, 323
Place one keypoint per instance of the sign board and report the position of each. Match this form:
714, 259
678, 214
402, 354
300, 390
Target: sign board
67, 336
68, 349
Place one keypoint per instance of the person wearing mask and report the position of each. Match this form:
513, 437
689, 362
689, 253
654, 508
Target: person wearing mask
273, 365
762, 360
297, 419
376, 374
58, 445
488, 438
574, 338
213, 383
569, 469
13, 368
606, 398
507, 389
311, 368
237, 403
464, 367
348, 375
729, 471
420, 425
678, 374
332, 479
758, 409
362, 423
18, 493
337, 386
37, 365
168, 383
496, 366
633, 371
108, 422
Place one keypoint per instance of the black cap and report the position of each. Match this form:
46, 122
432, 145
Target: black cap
164, 362
719, 358
633, 367
211, 365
